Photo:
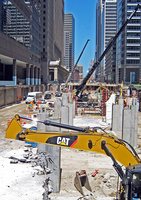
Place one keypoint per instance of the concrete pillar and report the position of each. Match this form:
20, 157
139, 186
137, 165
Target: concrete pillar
64, 117
14, 72
120, 113
73, 109
57, 108
42, 117
36, 76
55, 74
39, 76
27, 74
134, 125
32, 75
117, 118
70, 113
65, 99
52, 154
126, 131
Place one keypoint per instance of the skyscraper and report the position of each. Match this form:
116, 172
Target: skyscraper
110, 27
128, 65
52, 29
99, 37
69, 40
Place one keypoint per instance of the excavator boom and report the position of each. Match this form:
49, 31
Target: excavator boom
90, 140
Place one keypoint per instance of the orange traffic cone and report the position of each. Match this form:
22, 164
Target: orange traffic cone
24, 122
29, 115
21, 120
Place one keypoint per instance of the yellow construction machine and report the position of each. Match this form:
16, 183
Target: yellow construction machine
88, 139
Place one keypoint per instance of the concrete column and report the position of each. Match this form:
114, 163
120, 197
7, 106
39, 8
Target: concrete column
36, 75
134, 125
73, 109
55, 74
42, 117
70, 112
32, 75
57, 108
39, 76
120, 113
116, 118
27, 74
126, 131
14, 72
52, 154
64, 117
65, 99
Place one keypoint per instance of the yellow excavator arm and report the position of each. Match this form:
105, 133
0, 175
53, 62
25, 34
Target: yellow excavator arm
90, 140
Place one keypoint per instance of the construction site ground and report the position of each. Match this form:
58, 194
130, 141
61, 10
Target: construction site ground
24, 181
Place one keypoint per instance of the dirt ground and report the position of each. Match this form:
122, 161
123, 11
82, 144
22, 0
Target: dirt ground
21, 180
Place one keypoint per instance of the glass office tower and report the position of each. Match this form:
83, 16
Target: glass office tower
128, 64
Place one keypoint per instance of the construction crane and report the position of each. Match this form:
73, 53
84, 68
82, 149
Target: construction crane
95, 65
70, 74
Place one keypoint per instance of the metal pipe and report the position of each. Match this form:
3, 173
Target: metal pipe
47, 122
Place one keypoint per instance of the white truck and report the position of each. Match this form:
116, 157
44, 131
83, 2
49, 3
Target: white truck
33, 97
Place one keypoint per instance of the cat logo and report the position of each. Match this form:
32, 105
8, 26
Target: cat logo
63, 141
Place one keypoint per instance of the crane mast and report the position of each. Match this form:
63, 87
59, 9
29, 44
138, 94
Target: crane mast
70, 74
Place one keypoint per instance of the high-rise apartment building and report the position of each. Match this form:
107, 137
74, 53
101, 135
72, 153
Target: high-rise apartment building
69, 40
128, 65
110, 28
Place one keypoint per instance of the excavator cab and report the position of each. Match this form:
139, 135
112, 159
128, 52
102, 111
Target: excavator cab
136, 186
132, 183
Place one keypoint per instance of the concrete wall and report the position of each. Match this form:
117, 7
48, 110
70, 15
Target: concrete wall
10, 94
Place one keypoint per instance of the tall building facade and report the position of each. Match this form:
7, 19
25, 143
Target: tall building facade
110, 28
37, 28
20, 33
52, 29
128, 65
80, 69
99, 39
69, 40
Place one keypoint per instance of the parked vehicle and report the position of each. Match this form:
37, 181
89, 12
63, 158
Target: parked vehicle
33, 97
41, 101
47, 96
58, 94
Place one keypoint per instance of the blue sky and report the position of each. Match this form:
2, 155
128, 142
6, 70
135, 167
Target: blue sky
84, 12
